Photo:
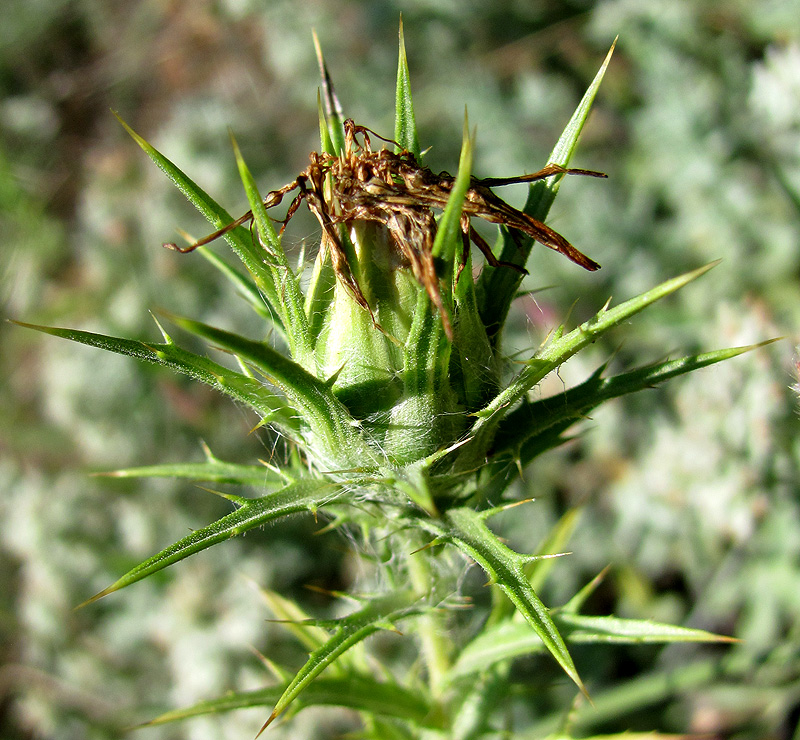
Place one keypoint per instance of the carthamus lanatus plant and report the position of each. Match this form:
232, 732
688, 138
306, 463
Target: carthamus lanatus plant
403, 422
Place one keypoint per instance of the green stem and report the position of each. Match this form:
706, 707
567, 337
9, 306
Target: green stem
432, 630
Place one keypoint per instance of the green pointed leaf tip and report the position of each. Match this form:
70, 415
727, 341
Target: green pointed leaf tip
309, 495
496, 288
283, 290
333, 108
448, 236
258, 476
558, 351
568, 142
530, 420
351, 630
508, 640
236, 385
266, 230
268, 278
469, 533
354, 691
405, 126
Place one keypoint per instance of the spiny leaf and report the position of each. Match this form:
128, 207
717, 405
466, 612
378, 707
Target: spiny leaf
575, 604
212, 470
542, 193
239, 239
583, 628
258, 476
326, 145
555, 353
294, 619
305, 495
333, 108
328, 418
350, 631
510, 639
560, 350
469, 533
244, 285
537, 570
228, 702
358, 692
496, 287
448, 234
238, 386
405, 126
284, 290
532, 419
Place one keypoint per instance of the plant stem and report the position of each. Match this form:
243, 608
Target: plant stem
432, 631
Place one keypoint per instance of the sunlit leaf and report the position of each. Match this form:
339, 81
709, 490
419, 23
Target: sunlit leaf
380, 613
306, 495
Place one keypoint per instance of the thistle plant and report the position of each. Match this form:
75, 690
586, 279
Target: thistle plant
403, 422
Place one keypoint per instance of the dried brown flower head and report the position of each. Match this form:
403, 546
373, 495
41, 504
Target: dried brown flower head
396, 191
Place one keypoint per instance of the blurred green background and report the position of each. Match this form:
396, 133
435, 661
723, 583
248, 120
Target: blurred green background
690, 492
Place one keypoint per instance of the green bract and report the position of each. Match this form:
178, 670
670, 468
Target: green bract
404, 418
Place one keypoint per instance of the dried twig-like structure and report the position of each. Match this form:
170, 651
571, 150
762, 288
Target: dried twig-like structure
395, 190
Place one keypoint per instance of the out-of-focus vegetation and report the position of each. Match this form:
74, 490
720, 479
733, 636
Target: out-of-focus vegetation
690, 492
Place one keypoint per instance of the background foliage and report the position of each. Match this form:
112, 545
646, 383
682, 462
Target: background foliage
689, 492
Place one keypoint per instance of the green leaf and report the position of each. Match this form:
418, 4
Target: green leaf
468, 532
423, 345
230, 701
333, 427
405, 125
542, 193
320, 294
510, 639
305, 495
380, 613
473, 365
575, 604
503, 641
620, 736
283, 290
557, 351
537, 570
588, 629
333, 108
358, 692
497, 286
326, 145
244, 286
236, 385
258, 476
519, 429
239, 238
212, 470
472, 720
294, 620
447, 245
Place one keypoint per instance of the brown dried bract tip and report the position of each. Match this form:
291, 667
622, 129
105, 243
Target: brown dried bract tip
396, 191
